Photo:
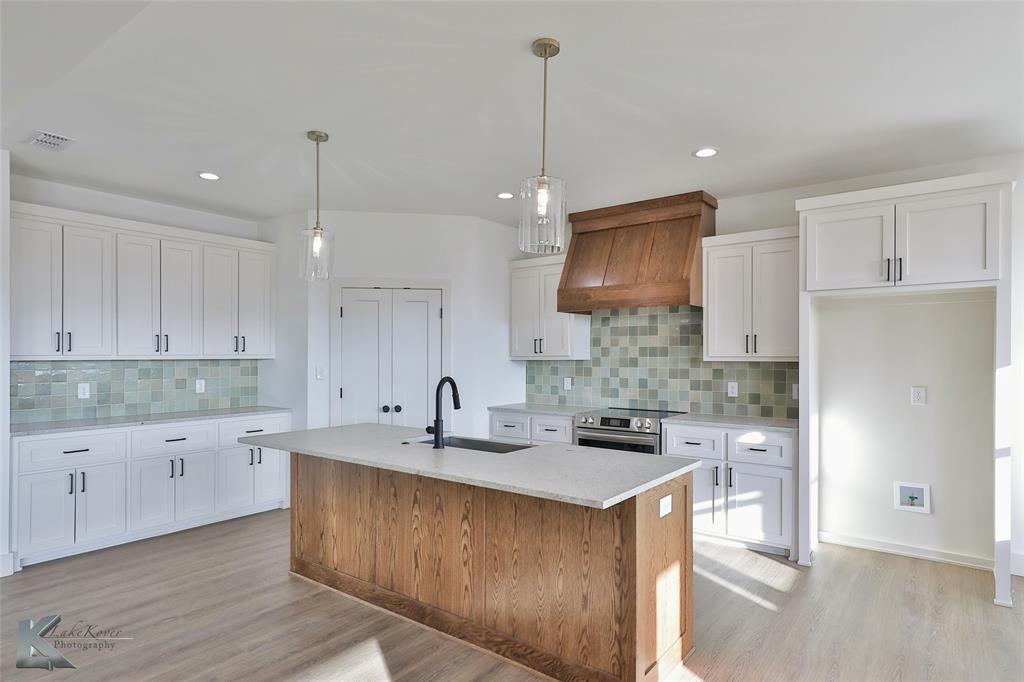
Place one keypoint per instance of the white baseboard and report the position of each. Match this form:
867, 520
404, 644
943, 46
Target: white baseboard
717, 539
907, 550
1017, 564
6, 564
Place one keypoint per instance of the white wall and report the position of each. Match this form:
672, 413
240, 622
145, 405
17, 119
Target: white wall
471, 253
871, 351
6, 560
36, 191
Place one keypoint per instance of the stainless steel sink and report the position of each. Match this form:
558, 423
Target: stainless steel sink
481, 444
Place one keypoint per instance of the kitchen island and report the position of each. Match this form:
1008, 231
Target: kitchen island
573, 561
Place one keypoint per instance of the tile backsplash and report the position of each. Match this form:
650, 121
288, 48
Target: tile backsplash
48, 391
652, 358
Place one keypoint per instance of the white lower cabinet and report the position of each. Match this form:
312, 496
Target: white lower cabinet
539, 428
267, 474
152, 492
100, 509
759, 503
235, 477
709, 498
195, 488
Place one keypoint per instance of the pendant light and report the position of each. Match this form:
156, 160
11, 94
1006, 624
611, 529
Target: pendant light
542, 198
316, 242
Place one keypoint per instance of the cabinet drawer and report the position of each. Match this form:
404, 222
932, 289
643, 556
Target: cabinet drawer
71, 451
760, 447
231, 431
551, 429
694, 441
510, 425
170, 440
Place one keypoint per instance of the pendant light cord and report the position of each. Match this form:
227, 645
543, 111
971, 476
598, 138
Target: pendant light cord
544, 125
318, 184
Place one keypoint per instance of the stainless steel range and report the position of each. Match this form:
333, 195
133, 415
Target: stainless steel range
620, 428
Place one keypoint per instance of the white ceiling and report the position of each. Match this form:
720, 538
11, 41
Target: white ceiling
435, 107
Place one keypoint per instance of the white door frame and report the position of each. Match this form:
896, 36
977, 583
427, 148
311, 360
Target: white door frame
339, 283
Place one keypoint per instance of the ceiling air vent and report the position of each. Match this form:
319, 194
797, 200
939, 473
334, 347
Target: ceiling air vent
51, 141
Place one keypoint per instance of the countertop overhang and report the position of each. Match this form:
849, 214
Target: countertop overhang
589, 477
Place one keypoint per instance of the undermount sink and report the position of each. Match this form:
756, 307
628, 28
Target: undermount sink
481, 444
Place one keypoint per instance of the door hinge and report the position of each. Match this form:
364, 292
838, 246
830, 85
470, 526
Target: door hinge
340, 392
341, 311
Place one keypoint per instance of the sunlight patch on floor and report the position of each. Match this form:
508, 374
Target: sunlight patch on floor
736, 589
363, 661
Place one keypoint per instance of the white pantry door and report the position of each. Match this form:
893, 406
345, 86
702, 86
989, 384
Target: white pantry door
416, 362
362, 353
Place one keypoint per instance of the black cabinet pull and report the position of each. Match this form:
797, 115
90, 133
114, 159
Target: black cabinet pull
167, 344
690, 442
172, 467
252, 457
58, 342
236, 344
758, 449
243, 343
541, 346
175, 440
83, 480
509, 426
69, 342
398, 408
716, 477
157, 342
75, 452
888, 269
746, 343
730, 477
260, 459
535, 346
899, 268
71, 483
181, 464
551, 430
386, 408
755, 343
254, 431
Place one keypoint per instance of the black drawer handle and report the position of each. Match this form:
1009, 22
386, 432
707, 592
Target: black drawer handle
75, 452
551, 430
690, 442
175, 440
758, 449
255, 431
509, 426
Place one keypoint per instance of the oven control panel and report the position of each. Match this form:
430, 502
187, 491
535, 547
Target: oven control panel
619, 423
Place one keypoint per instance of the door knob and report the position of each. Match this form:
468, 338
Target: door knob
386, 408
398, 408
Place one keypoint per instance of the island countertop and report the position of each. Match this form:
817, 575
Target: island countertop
590, 477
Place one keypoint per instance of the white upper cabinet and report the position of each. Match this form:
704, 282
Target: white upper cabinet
88, 292
935, 232
220, 301
537, 331
138, 295
36, 289
751, 289
255, 298
851, 248
181, 298
950, 238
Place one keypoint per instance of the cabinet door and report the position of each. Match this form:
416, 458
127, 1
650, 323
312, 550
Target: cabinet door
46, 511
776, 299
195, 490
556, 329
850, 249
268, 485
759, 501
709, 497
36, 289
235, 467
151, 492
364, 372
181, 298
138, 295
524, 313
255, 303
100, 502
727, 312
220, 301
416, 352
948, 239
88, 292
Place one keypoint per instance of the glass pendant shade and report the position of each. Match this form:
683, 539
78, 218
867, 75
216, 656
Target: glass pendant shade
542, 215
316, 254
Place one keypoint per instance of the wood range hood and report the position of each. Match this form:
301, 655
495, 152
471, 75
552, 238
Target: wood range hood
646, 253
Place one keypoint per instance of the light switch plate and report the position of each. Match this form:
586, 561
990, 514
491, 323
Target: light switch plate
567, 383
796, 391
733, 388
918, 395
83, 391
319, 373
665, 506
200, 385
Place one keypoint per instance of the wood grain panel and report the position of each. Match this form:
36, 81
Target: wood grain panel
677, 201
590, 257
631, 247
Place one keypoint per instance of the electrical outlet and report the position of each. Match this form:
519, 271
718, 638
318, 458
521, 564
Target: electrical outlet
200, 385
665, 506
83, 391
796, 391
733, 388
918, 395
567, 383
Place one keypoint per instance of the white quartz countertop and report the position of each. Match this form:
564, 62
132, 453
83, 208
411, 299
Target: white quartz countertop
39, 428
534, 408
590, 477
729, 422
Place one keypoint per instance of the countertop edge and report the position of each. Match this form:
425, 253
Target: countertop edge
25, 430
739, 423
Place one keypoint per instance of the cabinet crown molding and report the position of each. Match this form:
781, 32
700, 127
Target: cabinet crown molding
751, 236
909, 189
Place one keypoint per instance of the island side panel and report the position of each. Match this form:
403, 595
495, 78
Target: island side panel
431, 542
560, 577
664, 577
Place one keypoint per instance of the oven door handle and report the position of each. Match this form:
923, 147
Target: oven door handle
639, 439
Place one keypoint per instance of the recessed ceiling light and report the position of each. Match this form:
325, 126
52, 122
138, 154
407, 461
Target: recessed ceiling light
207, 175
505, 195
705, 152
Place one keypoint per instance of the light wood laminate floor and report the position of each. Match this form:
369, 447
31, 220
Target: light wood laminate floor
218, 603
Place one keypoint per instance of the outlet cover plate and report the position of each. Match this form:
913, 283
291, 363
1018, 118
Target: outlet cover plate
567, 383
733, 388
200, 385
83, 391
918, 395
